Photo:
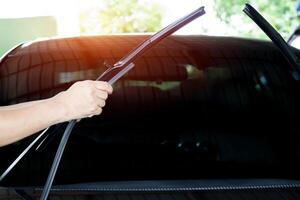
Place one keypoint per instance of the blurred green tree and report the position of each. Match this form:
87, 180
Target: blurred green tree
121, 16
280, 13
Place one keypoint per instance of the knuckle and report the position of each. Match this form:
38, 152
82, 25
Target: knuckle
84, 83
102, 103
87, 84
90, 110
76, 83
107, 85
101, 85
99, 111
105, 95
102, 82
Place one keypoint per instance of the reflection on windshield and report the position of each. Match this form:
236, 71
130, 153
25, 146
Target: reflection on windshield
195, 107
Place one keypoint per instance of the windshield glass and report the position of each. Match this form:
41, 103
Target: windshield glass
194, 107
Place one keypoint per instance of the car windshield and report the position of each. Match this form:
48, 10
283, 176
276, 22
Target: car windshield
194, 108
219, 111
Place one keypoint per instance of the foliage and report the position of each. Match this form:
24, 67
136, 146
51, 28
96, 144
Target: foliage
280, 13
121, 16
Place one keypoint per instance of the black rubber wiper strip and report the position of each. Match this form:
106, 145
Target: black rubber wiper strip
284, 47
111, 75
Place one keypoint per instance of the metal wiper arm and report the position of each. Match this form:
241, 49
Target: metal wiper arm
159, 36
285, 49
147, 44
112, 74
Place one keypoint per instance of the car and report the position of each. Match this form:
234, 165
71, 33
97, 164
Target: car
199, 117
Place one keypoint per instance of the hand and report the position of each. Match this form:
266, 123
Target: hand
83, 99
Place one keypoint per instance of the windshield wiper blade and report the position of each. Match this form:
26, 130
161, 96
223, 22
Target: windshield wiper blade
112, 72
111, 75
290, 56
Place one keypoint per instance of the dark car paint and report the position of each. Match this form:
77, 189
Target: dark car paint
195, 107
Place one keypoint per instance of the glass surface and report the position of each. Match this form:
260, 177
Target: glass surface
194, 107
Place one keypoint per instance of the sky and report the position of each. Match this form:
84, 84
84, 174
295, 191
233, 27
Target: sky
66, 13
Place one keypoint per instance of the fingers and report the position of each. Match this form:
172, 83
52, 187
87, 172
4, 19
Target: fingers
100, 103
101, 94
98, 111
85, 99
100, 85
103, 89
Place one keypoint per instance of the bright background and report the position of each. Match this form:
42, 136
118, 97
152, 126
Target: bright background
24, 20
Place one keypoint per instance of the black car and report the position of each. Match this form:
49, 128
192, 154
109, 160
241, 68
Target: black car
198, 118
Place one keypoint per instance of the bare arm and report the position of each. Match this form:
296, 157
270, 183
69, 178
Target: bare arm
18, 106
17, 122
82, 99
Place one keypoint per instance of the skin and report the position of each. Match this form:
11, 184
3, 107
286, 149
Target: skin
83, 99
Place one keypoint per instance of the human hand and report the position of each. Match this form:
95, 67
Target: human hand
83, 99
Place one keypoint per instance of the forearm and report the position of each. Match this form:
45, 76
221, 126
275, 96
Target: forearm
22, 120
20, 105
82, 99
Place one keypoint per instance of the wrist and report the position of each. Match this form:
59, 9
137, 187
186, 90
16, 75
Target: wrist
58, 109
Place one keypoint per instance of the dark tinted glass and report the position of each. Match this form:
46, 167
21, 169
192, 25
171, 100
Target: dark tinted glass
194, 107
